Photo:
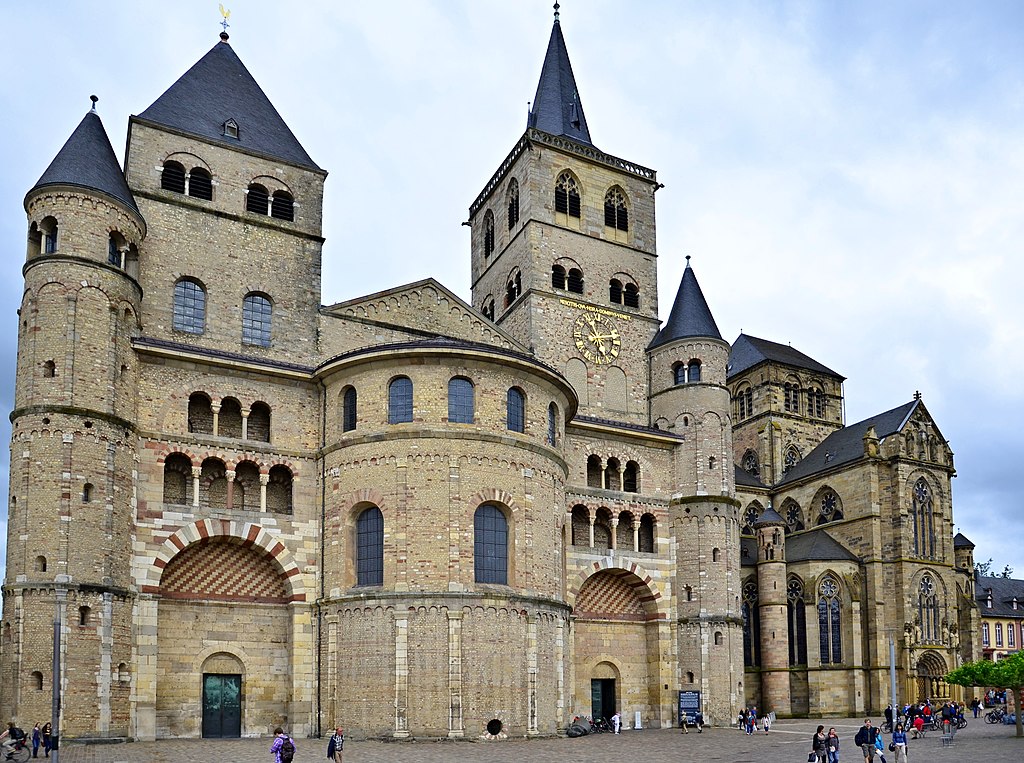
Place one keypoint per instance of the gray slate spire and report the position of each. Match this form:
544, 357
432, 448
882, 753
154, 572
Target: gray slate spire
690, 316
557, 109
87, 160
218, 88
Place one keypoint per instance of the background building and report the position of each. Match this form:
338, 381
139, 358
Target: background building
258, 510
1001, 604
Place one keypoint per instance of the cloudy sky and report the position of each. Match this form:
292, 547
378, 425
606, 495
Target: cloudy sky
847, 176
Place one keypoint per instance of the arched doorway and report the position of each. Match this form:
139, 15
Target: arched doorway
222, 696
931, 670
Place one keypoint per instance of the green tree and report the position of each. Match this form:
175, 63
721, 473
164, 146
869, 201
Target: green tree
1007, 674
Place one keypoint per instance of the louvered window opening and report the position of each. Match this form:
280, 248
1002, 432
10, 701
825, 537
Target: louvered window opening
488, 234
282, 206
189, 307
615, 213
173, 177
631, 297
400, 400
256, 316
513, 204
567, 195
200, 185
557, 277
615, 291
257, 200
575, 281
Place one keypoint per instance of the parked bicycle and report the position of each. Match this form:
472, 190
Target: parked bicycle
995, 716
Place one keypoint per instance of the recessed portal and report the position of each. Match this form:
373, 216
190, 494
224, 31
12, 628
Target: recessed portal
602, 697
222, 705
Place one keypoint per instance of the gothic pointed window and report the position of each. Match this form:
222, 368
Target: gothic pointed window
829, 508
830, 621
616, 215
750, 464
791, 460
172, 177
923, 520
370, 547
928, 610
794, 516
513, 203
750, 515
796, 611
567, 196
256, 317
189, 306
751, 626
488, 233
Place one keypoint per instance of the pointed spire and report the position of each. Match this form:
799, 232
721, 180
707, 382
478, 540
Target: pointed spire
219, 88
690, 314
557, 109
87, 160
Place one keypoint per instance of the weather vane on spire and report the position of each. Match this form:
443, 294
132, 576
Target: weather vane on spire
556, 12
226, 14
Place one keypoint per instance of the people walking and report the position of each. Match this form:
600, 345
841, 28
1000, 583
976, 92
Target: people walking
899, 740
819, 745
47, 738
37, 739
335, 746
283, 748
832, 746
865, 739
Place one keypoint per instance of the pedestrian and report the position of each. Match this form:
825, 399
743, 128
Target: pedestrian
888, 716
698, 721
975, 706
751, 721
743, 719
336, 744
865, 739
47, 738
767, 722
283, 747
819, 745
617, 722
832, 746
880, 746
683, 718
37, 738
899, 741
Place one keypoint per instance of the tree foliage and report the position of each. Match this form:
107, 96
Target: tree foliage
985, 570
1008, 674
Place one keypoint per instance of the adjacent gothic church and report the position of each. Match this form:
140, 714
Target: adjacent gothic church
420, 516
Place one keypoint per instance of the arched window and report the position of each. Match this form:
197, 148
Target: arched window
829, 508
631, 477
213, 484
595, 472
830, 621
515, 410
750, 464
400, 400
172, 178
750, 515
370, 547
279, 490
791, 460
580, 526
923, 520
816, 403
791, 397
679, 373
37, 680
567, 195
488, 308
48, 227
200, 414
751, 626
631, 297
87, 492
200, 184
928, 610
693, 371
348, 409
84, 616
646, 534
460, 400
574, 281
615, 291
282, 206
612, 474
490, 545
557, 277
189, 306
716, 555
513, 288
796, 612
488, 233
246, 487
256, 315
258, 427
615, 213
229, 420
513, 203
602, 529
257, 199
40, 564
115, 246
793, 515
552, 424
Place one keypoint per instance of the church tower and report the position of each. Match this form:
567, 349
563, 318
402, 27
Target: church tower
73, 441
563, 250
771, 601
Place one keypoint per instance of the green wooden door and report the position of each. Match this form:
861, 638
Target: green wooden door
222, 705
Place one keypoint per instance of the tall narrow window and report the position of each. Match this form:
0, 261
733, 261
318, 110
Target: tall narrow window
928, 610
631, 477
256, 315
460, 401
172, 178
796, 612
114, 246
400, 400
557, 277
574, 281
985, 639
615, 291
693, 371
751, 626
257, 200
189, 306
830, 637
516, 410
679, 373
348, 414
513, 203
923, 520
631, 296
488, 233
999, 634
370, 547
552, 424
615, 213
490, 545
200, 184
567, 195
282, 206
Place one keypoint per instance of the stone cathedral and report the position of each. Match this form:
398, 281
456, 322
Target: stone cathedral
419, 516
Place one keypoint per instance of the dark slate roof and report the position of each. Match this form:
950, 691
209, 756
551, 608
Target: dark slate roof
769, 517
745, 478
87, 160
749, 351
962, 541
557, 109
817, 546
219, 88
1003, 592
847, 444
690, 316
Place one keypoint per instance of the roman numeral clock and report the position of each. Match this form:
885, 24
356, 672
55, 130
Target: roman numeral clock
596, 338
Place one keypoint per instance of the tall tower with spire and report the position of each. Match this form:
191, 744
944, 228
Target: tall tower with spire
563, 249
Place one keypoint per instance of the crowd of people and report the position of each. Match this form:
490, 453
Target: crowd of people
40, 737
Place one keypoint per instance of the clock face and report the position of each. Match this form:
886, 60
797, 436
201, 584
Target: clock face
596, 338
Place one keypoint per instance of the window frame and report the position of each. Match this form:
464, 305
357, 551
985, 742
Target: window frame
188, 313
400, 400
257, 324
490, 545
369, 547
515, 410
461, 400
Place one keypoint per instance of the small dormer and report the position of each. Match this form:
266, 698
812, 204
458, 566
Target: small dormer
230, 129
988, 599
1014, 602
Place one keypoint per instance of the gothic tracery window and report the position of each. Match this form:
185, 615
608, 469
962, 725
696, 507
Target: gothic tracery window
513, 203
794, 517
923, 521
615, 213
567, 195
796, 611
928, 610
750, 516
829, 509
830, 638
750, 464
751, 626
791, 460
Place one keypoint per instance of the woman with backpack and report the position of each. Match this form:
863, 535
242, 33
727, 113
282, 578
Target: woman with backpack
283, 747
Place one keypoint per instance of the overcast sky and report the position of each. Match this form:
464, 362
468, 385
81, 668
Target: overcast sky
847, 176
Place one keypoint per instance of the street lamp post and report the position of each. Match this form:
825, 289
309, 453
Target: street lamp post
58, 622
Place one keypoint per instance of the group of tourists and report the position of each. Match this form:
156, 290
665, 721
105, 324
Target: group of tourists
870, 740
747, 720
41, 737
283, 747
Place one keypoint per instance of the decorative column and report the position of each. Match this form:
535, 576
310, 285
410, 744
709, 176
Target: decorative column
229, 475
455, 722
264, 481
245, 423
197, 472
301, 668
636, 535
401, 677
591, 519
615, 529
531, 675
145, 619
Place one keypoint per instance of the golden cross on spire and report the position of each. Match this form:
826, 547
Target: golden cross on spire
226, 14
